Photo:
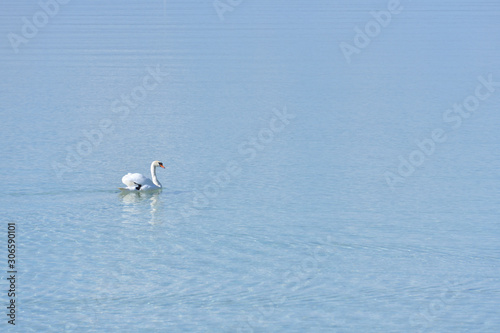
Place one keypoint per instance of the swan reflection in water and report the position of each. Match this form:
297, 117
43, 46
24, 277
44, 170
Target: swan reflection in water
133, 209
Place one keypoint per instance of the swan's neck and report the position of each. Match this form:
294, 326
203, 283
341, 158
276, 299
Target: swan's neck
153, 176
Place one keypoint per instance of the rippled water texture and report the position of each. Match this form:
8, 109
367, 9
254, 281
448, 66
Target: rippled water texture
331, 166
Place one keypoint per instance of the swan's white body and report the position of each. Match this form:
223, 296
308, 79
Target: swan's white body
137, 182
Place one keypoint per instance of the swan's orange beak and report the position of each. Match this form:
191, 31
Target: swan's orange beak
162, 166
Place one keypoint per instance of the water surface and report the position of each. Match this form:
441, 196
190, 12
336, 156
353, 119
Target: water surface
266, 222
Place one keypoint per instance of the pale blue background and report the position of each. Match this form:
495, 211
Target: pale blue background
308, 237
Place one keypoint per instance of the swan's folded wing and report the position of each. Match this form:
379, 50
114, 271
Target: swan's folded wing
131, 179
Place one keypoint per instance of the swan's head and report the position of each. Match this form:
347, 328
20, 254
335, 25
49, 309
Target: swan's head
158, 164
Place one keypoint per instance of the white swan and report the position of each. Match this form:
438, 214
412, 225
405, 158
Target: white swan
137, 182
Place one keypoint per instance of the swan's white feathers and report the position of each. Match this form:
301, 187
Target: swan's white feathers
131, 179
137, 182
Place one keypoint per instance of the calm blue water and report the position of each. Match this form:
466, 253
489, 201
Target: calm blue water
324, 172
